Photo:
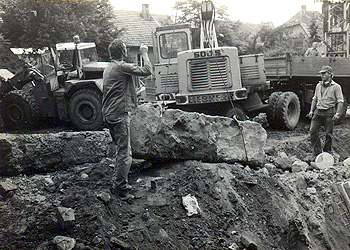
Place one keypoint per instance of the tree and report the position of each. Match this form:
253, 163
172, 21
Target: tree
37, 24
314, 34
278, 42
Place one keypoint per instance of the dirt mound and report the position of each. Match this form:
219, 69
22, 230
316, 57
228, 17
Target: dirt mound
240, 207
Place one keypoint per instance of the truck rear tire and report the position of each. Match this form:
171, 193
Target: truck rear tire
19, 109
85, 109
272, 109
288, 111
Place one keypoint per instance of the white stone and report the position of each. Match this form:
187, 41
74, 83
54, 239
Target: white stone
84, 176
64, 243
191, 205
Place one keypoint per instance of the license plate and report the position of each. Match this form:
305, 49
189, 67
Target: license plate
208, 98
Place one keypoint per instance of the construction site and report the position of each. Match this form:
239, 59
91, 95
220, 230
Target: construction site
222, 157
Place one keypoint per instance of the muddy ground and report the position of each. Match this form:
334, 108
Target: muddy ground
241, 207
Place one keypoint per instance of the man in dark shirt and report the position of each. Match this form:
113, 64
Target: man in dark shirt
119, 98
326, 107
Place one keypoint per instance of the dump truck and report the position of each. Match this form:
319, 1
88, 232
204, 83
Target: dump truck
72, 91
300, 75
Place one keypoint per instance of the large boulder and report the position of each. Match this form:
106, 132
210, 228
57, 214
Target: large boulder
192, 136
176, 135
45, 152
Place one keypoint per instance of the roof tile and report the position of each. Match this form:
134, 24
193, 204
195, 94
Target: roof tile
137, 30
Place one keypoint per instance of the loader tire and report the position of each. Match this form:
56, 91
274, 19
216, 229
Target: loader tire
19, 109
288, 111
85, 109
272, 109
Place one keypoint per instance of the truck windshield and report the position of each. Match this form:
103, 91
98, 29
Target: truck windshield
172, 43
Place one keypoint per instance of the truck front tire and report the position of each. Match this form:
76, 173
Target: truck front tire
19, 109
85, 109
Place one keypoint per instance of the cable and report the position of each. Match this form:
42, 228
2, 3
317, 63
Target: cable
163, 106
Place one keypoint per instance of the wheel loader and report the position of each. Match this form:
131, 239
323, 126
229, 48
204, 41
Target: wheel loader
71, 92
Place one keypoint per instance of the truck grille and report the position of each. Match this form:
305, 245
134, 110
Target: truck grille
250, 72
209, 73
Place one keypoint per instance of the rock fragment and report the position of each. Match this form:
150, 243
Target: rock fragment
248, 242
49, 184
104, 196
177, 135
234, 246
65, 217
64, 243
121, 244
299, 166
270, 167
84, 176
191, 205
7, 188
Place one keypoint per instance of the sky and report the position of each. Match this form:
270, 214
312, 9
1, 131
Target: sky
252, 11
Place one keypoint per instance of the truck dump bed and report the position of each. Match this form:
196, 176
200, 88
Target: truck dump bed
279, 68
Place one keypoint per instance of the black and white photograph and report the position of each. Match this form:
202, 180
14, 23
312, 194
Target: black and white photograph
174, 125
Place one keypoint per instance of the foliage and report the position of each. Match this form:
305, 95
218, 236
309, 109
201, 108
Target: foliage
248, 38
278, 42
314, 34
40, 23
190, 11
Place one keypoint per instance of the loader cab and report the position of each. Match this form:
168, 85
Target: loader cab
170, 40
73, 57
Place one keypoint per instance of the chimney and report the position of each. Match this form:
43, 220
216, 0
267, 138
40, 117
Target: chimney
145, 12
303, 9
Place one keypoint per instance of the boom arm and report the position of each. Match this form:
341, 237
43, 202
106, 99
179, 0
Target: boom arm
208, 34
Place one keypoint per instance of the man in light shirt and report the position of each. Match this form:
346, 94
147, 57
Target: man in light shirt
326, 107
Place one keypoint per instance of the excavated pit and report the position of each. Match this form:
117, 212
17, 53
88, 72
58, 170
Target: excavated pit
272, 205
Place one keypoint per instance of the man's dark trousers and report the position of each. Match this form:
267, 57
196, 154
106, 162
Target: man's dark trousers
316, 123
120, 132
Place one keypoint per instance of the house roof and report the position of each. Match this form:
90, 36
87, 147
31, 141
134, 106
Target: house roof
305, 18
136, 29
